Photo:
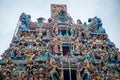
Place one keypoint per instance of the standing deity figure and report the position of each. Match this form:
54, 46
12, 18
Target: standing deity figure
75, 47
86, 63
86, 74
54, 73
72, 31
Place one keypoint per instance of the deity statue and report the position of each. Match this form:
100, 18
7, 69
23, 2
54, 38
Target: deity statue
86, 74
55, 10
85, 26
40, 22
30, 55
79, 22
25, 19
76, 46
19, 55
54, 73
43, 56
22, 27
55, 30
62, 16
11, 53
86, 63
40, 33
72, 31
56, 48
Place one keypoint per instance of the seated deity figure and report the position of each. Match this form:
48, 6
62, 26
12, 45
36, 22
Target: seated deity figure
54, 73
87, 35
48, 35
62, 16
55, 43
11, 53
43, 56
37, 43
19, 55
30, 55
23, 27
25, 19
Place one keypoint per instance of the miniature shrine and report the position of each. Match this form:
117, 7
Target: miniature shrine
60, 49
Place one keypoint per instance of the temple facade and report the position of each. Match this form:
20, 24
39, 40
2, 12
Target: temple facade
60, 49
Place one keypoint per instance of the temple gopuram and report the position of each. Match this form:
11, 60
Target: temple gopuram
60, 49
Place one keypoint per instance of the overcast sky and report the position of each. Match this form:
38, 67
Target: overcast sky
107, 10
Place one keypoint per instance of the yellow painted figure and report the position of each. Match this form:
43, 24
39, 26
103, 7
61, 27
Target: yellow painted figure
30, 55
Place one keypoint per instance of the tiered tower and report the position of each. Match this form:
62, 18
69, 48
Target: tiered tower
60, 49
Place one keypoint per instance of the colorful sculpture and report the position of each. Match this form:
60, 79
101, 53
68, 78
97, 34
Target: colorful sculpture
62, 16
58, 48
86, 75
54, 74
25, 19
72, 31
55, 30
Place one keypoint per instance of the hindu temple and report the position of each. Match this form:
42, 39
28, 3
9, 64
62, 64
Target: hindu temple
60, 49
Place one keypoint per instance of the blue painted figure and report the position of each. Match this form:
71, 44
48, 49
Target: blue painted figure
101, 30
23, 18
96, 24
86, 74
12, 54
23, 27
62, 16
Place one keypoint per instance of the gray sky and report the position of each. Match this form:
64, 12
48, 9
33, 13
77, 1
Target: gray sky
107, 10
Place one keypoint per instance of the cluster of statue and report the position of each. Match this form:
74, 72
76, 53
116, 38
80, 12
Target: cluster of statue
40, 50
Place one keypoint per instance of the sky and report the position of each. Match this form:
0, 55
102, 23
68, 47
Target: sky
107, 10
